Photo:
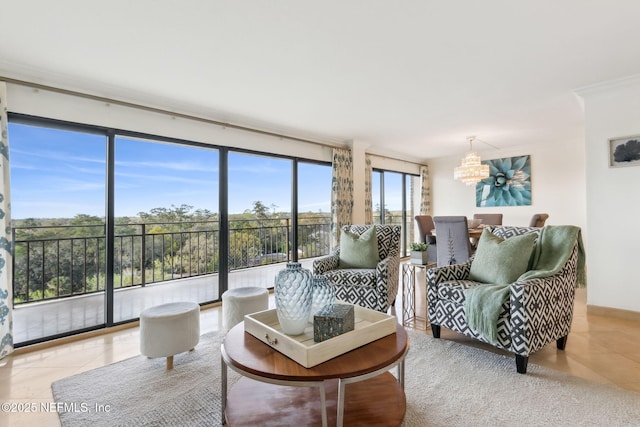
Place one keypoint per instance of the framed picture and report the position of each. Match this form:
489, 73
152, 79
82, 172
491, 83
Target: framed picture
508, 184
624, 151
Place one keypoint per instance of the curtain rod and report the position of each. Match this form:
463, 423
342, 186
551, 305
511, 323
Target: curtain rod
175, 114
382, 156
161, 111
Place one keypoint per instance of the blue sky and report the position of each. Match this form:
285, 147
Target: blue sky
59, 174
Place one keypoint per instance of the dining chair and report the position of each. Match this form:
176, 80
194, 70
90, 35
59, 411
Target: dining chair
425, 228
538, 220
489, 218
425, 232
454, 246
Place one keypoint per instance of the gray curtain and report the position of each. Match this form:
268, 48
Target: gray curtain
341, 192
368, 199
6, 252
425, 191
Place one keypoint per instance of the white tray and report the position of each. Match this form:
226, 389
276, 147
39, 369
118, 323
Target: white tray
369, 326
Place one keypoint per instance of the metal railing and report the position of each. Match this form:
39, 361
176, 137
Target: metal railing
52, 262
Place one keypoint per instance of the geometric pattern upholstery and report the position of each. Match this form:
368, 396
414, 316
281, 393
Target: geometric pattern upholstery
454, 290
374, 288
507, 231
538, 311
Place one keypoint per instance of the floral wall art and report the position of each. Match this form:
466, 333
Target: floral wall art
508, 184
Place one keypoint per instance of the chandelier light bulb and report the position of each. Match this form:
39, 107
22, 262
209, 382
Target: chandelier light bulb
471, 170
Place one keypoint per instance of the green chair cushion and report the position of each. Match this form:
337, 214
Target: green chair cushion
501, 261
359, 251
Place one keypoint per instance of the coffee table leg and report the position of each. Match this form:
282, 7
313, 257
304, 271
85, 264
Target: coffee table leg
340, 415
401, 373
323, 404
223, 390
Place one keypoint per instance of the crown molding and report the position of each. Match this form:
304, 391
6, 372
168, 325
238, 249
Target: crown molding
608, 85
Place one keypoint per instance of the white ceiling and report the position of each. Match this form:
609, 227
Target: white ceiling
411, 79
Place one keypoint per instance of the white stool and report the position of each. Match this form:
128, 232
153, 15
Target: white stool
240, 301
169, 329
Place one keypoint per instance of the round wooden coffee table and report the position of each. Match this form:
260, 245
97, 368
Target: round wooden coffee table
353, 389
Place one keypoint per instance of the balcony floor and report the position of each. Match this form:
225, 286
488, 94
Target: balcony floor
36, 321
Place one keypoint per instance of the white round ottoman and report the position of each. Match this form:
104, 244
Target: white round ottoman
240, 301
169, 329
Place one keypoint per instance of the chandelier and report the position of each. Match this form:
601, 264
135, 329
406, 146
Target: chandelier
471, 171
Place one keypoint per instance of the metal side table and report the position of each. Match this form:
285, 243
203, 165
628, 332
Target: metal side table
409, 316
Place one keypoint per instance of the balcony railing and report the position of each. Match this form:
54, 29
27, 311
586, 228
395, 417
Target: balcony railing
52, 262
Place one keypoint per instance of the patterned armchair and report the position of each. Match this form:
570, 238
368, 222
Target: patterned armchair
537, 312
371, 288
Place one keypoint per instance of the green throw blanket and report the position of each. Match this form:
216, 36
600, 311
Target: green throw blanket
483, 303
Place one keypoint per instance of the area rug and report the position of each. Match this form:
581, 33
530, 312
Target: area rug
447, 384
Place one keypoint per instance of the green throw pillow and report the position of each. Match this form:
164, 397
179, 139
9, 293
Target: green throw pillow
359, 251
501, 261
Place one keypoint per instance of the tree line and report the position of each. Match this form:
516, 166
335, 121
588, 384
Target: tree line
63, 257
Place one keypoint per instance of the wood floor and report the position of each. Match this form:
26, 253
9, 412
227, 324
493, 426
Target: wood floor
601, 349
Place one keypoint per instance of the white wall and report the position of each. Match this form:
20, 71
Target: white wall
557, 185
612, 110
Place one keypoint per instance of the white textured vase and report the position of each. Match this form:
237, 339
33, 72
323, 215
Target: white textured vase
322, 294
293, 298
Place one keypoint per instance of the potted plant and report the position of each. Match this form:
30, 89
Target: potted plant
419, 254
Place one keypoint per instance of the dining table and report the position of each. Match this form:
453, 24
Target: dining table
475, 233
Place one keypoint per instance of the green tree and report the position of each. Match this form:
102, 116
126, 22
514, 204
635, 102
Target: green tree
260, 210
244, 247
86, 225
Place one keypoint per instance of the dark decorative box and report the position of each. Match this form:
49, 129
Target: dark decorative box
333, 320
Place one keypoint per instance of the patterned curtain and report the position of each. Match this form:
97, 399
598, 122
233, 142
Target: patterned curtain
368, 203
341, 192
425, 191
6, 252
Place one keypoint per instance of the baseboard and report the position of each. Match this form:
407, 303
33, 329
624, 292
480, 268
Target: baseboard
84, 335
613, 312
73, 338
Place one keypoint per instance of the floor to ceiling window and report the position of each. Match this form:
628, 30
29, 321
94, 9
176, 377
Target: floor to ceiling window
109, 222
393, 198
166, 225
392, 203
314, 211
259, 218
58, 218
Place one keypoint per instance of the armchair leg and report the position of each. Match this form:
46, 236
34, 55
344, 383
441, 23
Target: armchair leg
521, 363
435, 330
561, 343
